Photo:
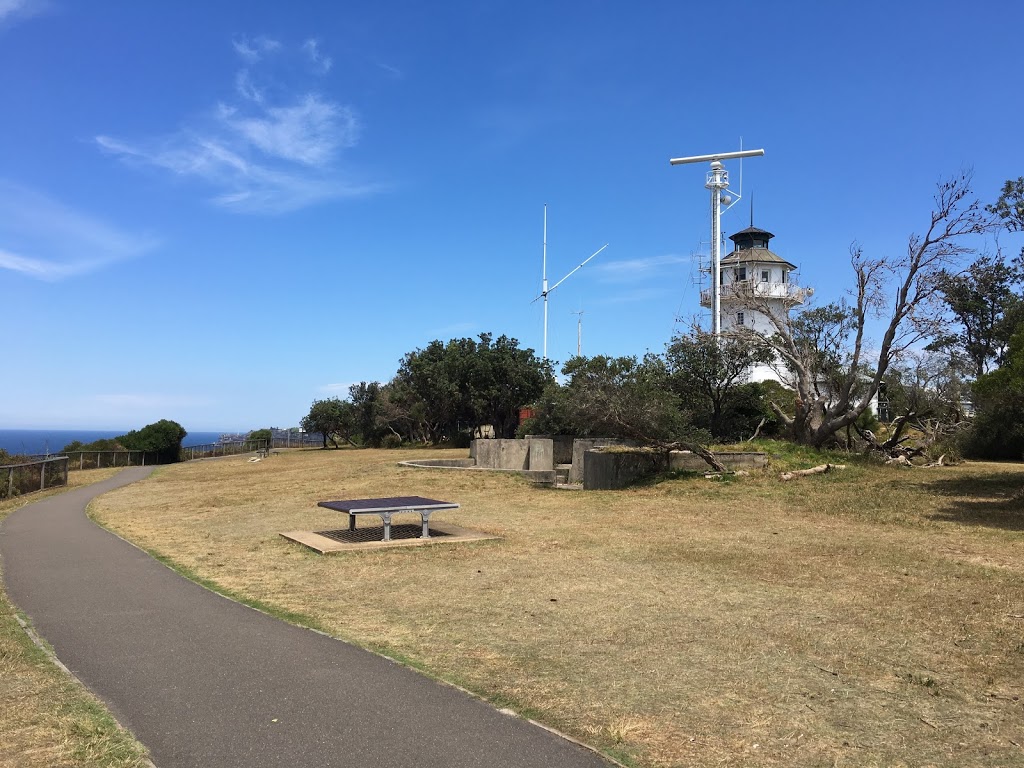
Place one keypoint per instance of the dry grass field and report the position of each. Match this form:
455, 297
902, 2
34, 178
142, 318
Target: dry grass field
873, 616
47, 719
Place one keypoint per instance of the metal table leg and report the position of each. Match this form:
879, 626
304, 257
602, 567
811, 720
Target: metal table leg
351, 521
425, 518
386, 517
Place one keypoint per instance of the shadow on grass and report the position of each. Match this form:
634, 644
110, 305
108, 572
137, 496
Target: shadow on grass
994, 500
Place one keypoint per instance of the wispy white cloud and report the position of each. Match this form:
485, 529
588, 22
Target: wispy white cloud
320, 63
395, 72
47, 240
635, 270
264, 153
246, 88
13, 9
253, 50
308, 132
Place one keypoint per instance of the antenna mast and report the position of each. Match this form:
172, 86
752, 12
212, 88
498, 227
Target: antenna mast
544, 282
717, 182
544, 290
579, 332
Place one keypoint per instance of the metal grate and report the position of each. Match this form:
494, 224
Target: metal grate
376, 533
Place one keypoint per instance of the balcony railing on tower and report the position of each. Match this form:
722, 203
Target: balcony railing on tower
744, 290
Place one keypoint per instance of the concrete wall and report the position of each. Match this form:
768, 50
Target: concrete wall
583, 444
542, 454
502, 454
608, 470
690, 462
562, 445
534, 454
446, 463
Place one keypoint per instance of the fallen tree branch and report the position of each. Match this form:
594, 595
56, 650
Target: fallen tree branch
812, 471
764, 420
669, 445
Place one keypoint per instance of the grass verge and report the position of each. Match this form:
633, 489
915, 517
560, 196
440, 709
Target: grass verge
47, 718
865, 617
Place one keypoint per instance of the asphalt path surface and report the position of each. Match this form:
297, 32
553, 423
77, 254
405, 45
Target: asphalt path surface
204, 681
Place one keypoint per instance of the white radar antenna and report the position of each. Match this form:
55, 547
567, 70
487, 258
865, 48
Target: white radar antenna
717, 182
544, 290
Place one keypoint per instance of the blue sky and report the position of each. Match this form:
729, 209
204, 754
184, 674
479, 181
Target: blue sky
217, 212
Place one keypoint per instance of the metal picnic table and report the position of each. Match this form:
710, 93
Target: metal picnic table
386, 507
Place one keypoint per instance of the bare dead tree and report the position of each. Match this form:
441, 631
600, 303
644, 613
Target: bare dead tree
832, 365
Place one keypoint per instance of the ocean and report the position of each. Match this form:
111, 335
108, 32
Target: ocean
41, 441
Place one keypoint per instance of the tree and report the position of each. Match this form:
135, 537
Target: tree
625, 398
368, 407
926, 398
503, 379
998, 428
835, 369
162, 437
1009, 208
469, 383
332, 418
982, 300
708, 374
429, 387
259, 434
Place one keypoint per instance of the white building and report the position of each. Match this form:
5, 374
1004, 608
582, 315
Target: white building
752, 275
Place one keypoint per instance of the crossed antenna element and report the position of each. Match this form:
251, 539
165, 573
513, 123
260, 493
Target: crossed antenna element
717, 182
544, 291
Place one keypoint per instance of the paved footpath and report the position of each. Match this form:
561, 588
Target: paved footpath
205, 682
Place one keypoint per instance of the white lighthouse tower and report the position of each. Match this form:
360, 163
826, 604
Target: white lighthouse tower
754, 280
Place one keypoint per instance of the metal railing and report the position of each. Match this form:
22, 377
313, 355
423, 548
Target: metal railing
33, 476
305, 440
211, 450
80, 460
789, 292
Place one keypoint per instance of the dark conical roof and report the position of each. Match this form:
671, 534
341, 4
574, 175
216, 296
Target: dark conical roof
749, 232
752, 248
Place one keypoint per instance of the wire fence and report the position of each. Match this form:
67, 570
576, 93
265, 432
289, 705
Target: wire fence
232, 448
305, 440
79, 460
39, 472
32, 476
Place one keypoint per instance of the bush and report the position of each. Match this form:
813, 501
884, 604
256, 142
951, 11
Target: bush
163, 438
391, 440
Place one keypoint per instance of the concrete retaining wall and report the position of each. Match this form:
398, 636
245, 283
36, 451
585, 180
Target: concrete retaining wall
690, 462
533, 454
583, 444
608, 470
561, 444
502, 454
444, 463
542, 454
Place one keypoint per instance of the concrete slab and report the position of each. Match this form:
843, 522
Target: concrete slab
441, 533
